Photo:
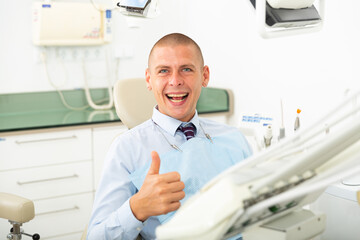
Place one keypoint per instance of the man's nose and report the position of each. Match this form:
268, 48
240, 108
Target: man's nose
176, 80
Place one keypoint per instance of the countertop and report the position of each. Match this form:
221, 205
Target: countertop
41, 110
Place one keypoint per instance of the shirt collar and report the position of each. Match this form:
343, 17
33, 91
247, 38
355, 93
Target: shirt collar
170, 124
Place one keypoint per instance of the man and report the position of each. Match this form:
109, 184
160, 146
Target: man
140, 190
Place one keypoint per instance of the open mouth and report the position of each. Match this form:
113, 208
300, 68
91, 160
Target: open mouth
177, 97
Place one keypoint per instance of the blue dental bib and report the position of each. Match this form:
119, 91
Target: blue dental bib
198, 162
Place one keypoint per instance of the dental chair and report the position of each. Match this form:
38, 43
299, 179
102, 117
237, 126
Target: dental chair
17, 210
133, 102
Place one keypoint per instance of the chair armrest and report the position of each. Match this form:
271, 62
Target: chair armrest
15, 208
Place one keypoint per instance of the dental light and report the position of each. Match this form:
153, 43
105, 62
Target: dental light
277, 18
263, 197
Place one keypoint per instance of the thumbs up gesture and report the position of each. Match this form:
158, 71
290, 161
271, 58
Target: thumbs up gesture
159, 194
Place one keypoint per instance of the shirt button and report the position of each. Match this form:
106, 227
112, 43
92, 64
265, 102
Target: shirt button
138, 228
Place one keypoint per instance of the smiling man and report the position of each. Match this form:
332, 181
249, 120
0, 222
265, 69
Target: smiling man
176, 74
137, 191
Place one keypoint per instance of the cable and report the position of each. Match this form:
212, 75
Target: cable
100, 9
87, 90
43, 60
43, 55
96, 6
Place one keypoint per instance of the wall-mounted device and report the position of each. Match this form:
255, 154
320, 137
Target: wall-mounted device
138, 8
70, 24
286, 17
277, 18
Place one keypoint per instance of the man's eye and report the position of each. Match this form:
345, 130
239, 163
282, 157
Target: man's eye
187, 70
163, 71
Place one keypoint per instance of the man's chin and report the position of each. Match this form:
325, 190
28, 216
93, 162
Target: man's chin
183, 116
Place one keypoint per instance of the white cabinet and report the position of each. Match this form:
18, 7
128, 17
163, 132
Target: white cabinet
58, 170
49, 181
61, 217
49, 148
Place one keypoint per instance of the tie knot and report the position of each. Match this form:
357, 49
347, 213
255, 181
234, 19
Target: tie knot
188, 129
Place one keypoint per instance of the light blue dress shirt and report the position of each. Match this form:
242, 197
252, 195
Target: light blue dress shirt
112, 217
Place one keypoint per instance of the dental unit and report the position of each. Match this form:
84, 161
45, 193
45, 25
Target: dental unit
263, 197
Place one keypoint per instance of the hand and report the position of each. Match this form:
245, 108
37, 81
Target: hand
159, 194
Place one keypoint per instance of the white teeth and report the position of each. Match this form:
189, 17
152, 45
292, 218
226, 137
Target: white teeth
176, 98
177, 95
176, 101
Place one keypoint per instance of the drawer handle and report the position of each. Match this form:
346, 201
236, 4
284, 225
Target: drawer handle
45, 139
47, 179
59, 210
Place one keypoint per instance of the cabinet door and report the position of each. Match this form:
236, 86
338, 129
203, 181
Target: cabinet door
57, 218
50, 181
102, 139
31, 150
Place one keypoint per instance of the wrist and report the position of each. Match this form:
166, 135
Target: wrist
136, 209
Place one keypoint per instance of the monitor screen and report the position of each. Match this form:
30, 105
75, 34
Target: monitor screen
134, 3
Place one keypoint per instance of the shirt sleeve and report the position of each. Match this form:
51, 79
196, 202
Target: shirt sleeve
112, 217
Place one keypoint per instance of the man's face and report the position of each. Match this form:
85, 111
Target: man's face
176, 75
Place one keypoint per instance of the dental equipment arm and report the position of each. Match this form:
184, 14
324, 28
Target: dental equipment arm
273, 186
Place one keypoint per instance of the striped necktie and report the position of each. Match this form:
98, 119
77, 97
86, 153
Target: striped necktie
188, 129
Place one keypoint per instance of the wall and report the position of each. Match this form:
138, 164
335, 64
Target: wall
21, 69
311, 72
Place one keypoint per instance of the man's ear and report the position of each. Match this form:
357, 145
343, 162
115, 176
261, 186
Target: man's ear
206, 76
147, 78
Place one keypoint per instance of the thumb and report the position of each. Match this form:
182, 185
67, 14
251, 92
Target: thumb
155, 164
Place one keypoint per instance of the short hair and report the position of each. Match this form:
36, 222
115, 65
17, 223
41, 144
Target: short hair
175, 39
